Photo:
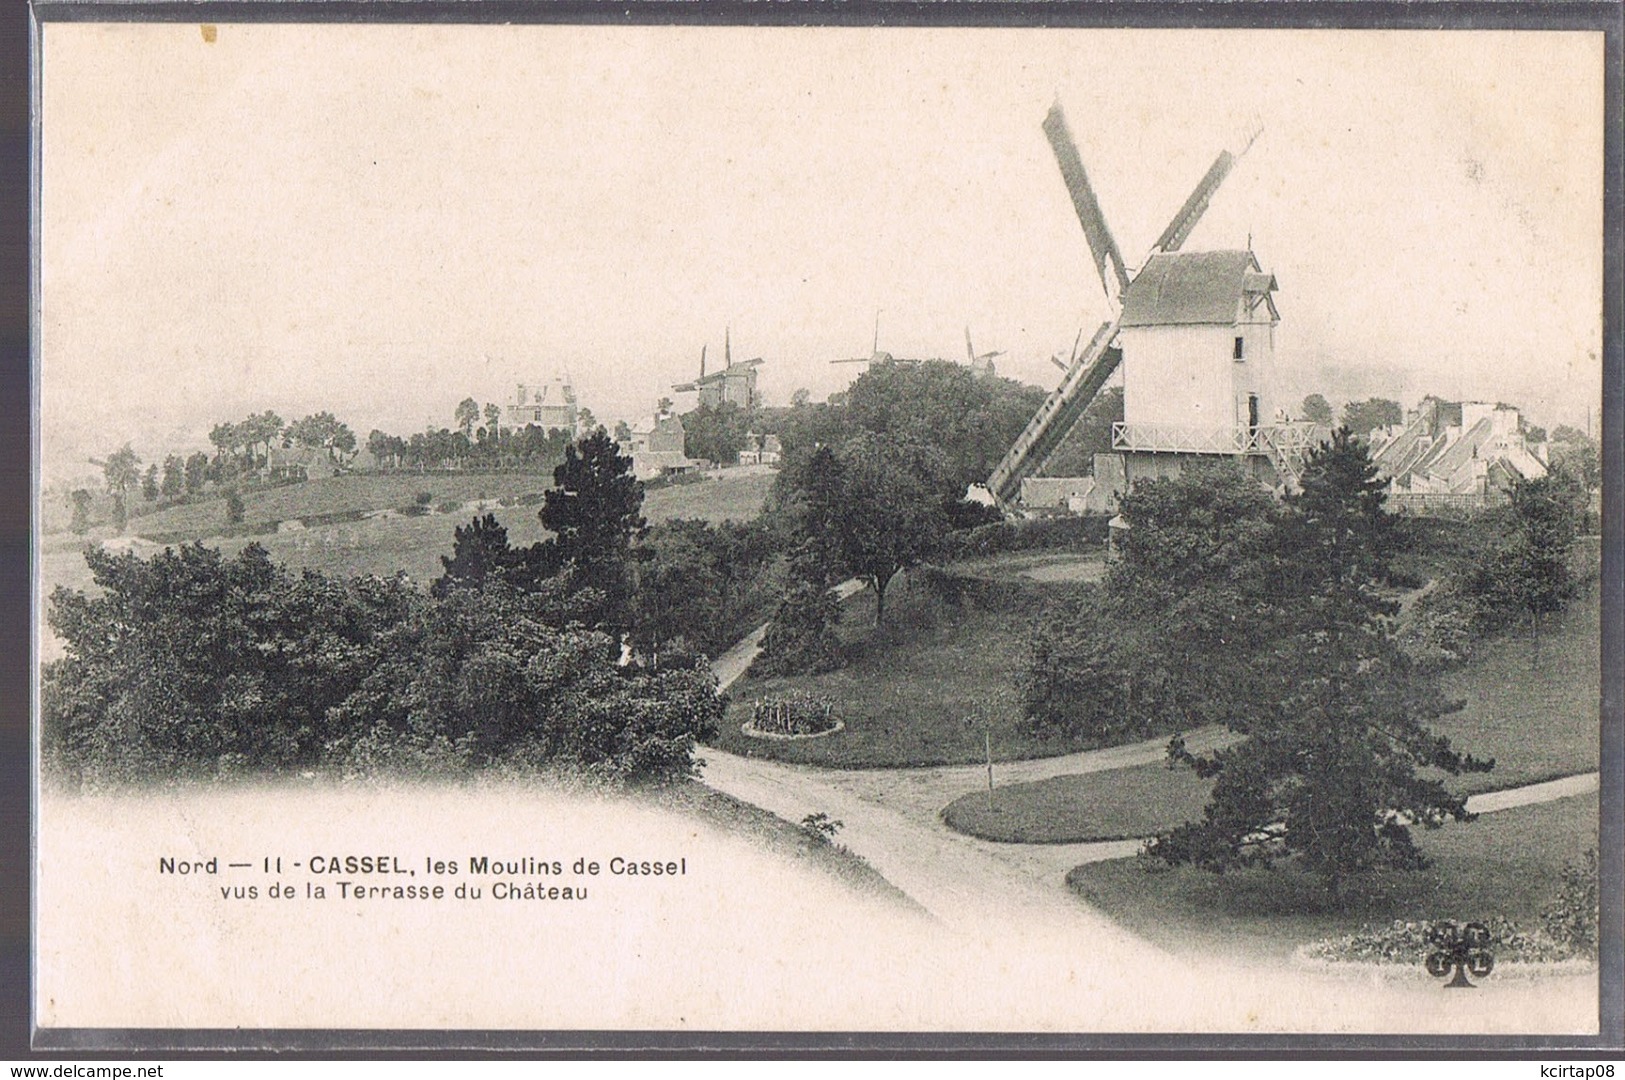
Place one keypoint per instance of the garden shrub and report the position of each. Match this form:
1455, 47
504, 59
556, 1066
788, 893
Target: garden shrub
1572, 918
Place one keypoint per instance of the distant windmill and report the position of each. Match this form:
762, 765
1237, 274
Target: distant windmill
1066, 365
876, 356
734, 383
980, 362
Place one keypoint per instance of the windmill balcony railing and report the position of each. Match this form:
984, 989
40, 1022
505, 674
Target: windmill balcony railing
1285, 440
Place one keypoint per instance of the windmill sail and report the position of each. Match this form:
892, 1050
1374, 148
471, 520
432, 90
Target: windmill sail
1101, 244
1049, 426
1179, 229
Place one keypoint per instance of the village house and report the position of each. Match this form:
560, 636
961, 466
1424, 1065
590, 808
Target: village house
656, 447
299, 463
1446, 454
760, 450
549, 406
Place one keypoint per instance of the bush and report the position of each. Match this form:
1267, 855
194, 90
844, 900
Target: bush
1439, 631
1068, 533
1572, 918
665, 480
234, 508
1091, 676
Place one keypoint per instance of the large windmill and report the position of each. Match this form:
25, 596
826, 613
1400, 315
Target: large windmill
1198, 331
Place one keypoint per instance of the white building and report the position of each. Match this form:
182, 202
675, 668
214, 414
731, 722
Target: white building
1199, 372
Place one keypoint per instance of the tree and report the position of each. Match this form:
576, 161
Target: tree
1339, 515
971, 420
387, 450
801, 637
1364, 417
594, 511
623, 431
875, 508
191, 659
1577, 454
234, 507
1317, 410
1336, 717
197, 471
1529, 573
586, 422
699, 583
226, 438
122, 471
174, 482
467, 415
493, 419
81, 511
481, 555
149, 483
322, 431
800, 398
1163, 643
715, 433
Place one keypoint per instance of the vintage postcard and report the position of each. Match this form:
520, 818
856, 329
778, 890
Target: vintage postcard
581, 528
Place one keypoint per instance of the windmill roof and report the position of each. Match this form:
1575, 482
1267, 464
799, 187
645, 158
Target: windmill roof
1192, 287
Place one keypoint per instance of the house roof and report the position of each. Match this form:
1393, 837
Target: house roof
1190, 287
1458, 453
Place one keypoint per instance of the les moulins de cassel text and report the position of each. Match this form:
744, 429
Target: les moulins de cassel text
393, 877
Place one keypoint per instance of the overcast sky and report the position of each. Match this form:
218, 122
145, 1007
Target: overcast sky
381, 221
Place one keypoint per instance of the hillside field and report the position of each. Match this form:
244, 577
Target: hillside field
389, 543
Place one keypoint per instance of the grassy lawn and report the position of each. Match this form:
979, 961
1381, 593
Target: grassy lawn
1041, 566
905, 693
1119, 804
1537, 723
1503, 864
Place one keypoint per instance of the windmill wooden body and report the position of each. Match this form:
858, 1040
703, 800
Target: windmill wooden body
731, 384
1194, 335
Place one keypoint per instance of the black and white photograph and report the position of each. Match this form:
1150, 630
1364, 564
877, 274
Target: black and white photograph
788, 529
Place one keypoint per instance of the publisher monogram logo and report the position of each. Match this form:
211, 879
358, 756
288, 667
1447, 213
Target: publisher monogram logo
1462, 949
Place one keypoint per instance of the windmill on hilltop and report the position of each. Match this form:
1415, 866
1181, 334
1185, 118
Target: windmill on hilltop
733, 382
1194, 334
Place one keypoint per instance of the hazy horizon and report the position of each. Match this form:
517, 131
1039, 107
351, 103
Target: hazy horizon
383, 220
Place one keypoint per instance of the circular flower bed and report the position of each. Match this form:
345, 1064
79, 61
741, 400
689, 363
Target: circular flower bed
796, 715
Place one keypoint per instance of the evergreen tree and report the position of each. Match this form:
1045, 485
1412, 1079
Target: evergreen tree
1336, 716
594, 510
